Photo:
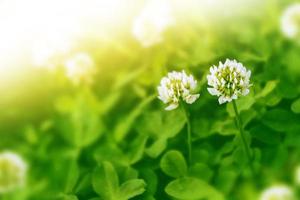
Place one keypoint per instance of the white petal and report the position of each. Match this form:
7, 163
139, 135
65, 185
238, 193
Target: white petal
163, 94
209, 79
172, 106
223, 99
228, 99
212, 70
213, 91
248, 74
234, 96
191, 98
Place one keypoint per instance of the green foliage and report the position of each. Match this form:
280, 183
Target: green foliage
132, 188
201, 171
106, 184
106, 181
192, 189
161, 126
173, 164
79, 122
281, 120
295, 107
113, 140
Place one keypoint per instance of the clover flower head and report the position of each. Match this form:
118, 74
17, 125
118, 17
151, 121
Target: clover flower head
12, 172
228, 81
177, 86
80, 68
153, 20
279, 192
290, 21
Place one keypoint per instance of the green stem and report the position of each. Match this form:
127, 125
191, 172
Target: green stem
242, 134
189, 133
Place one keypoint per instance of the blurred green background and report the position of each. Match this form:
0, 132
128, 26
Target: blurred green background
103, 134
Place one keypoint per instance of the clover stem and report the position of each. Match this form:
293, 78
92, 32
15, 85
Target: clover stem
242, 134
189, 133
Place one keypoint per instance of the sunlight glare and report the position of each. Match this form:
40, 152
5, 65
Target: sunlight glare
47, 27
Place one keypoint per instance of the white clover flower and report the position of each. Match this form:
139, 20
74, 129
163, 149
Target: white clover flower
228, 81
12, 172
153, 20
175, 87
290, 21
279, 192
80, 68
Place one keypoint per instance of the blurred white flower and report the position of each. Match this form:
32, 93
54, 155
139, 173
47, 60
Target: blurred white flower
279, 192
290, 21
153, 20
228, 81
12, 172
80, 68
176, 86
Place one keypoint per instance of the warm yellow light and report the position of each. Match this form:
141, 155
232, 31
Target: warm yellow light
42, 28
36, 30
